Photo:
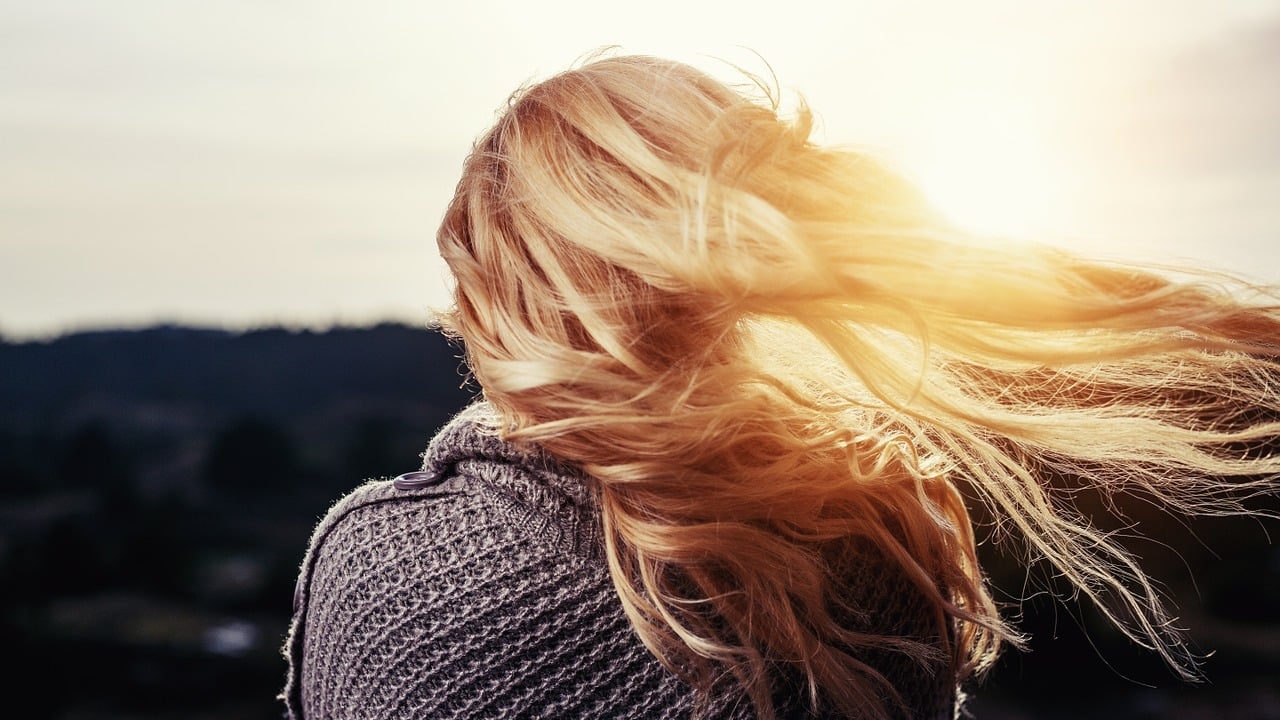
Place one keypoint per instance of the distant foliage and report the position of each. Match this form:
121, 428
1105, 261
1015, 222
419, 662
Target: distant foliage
214, 373
158, 484
252, 455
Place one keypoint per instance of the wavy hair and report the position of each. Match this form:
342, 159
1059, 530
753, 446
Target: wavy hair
762, 349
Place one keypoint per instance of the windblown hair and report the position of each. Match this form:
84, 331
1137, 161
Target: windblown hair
762, 349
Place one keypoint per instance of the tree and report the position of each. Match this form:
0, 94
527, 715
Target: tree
252, 454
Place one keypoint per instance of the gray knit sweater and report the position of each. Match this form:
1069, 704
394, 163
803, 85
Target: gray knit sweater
477, 588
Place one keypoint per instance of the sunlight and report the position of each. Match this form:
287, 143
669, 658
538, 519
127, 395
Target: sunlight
986, 165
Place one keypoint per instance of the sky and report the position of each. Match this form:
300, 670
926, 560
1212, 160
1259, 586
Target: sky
243, 164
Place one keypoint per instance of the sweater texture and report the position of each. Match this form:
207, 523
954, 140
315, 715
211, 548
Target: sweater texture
478, 588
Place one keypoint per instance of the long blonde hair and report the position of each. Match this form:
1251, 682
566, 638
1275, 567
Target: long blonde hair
761, 348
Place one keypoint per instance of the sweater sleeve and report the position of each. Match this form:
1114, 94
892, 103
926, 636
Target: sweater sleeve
444, 605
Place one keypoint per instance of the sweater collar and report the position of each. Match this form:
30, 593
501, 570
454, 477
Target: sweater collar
475, 434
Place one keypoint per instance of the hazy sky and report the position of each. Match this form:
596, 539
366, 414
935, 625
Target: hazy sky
246, 163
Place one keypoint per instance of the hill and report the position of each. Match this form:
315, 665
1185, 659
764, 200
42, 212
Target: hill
157, 488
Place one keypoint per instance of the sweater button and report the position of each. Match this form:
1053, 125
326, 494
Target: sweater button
416, 480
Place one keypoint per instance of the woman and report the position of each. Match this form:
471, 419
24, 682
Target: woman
739, 389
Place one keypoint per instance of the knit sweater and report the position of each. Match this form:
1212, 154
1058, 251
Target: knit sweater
478, 588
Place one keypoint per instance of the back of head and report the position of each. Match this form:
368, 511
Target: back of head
618, 239
759, 347
620, 219
568, 231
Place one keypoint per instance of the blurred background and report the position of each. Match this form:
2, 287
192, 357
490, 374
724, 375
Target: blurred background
217, 265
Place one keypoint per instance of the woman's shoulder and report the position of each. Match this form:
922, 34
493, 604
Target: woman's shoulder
472, 588
403, 593
474, 490
433, 533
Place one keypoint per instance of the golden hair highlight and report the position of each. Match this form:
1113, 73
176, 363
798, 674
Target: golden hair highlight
772, 356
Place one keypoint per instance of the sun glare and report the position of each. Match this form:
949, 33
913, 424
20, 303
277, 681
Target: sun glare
987, 166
